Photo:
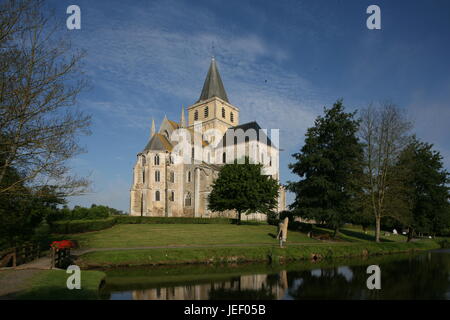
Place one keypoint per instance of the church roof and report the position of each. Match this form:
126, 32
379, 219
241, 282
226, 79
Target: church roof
174, 124
260, 135
213, 86
158, 142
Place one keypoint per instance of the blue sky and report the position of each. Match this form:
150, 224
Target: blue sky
281, 62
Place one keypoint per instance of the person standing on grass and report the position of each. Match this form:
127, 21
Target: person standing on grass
282, 231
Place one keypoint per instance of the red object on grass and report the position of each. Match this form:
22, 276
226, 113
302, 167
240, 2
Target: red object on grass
63, 244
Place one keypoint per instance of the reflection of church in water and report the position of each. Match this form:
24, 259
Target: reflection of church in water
256, 283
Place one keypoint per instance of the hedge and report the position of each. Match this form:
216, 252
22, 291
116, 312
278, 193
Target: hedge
171, 220
78, 226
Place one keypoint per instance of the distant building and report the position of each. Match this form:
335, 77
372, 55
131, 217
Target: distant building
163, 186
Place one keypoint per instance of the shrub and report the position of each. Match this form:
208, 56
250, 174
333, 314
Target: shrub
445, 243
42, 234
288, 214
78, 226
273, 219
171, 220
80, 213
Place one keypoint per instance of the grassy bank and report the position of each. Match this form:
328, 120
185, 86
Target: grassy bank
48, 285
51, 285
116, 258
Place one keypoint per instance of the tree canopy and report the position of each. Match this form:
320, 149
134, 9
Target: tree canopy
330, 165
243, 188
425, 188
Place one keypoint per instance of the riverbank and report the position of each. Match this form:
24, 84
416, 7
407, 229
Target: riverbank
239, 254
34, 284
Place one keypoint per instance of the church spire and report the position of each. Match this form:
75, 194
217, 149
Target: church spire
182, 122
152, 132
213, 86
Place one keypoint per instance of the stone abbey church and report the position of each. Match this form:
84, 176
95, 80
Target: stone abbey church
163, 187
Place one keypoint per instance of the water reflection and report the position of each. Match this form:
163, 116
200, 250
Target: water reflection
256, 286
420, 276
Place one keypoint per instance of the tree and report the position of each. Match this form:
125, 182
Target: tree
384, 132
40, 79
425, 181
243, 188
21, 212
330, 163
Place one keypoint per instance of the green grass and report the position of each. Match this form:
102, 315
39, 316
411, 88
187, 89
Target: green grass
355, 233
147, 235
51, 285
116, 258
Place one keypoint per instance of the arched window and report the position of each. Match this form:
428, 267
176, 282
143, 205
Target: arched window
188, 176
143, 175
172, 196
157, 196
157, 176
195, 115
143, 160
157, 160
142, 204
224, 157
206, 114
223, 112
187, 200
231, 117
172, 176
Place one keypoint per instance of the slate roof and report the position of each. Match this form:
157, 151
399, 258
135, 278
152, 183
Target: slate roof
213, 86
246, 126
158, 142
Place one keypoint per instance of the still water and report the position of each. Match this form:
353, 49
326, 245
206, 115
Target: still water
408, 276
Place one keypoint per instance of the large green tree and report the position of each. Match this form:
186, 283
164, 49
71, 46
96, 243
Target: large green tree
425, 188
330, 165
242, 187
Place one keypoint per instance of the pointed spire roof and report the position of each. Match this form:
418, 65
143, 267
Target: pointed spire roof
182, 122
213, 86
152, 131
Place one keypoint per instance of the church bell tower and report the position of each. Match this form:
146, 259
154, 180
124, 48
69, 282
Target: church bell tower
213, 109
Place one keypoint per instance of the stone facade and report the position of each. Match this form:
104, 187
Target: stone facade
164, 186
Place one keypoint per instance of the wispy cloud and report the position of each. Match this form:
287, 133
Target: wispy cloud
144, 61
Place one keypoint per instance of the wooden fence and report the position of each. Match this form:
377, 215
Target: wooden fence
19, 255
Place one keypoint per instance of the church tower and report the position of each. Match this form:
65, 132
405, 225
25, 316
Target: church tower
213, 109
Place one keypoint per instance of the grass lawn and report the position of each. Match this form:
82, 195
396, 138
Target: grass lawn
355, 233
51, 285
147, 235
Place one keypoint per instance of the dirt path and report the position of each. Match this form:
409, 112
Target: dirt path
14, 281
41, 263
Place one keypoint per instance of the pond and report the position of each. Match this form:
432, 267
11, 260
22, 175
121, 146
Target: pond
423, 275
